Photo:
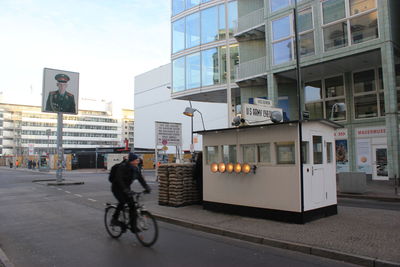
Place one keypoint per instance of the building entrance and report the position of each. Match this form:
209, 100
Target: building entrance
379, 164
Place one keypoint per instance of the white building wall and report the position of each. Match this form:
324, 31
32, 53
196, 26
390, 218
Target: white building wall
153, 103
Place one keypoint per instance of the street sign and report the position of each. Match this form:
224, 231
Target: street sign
168, 133
254, 114
164, 142
191, 148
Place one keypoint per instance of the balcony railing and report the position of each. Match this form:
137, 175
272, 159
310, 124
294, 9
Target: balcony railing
252, 68
250, 20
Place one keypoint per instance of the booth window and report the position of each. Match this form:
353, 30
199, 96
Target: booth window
264, 153
229, 153
212, 154
317, 149
329, 152
249, 153
305, 152
285, 153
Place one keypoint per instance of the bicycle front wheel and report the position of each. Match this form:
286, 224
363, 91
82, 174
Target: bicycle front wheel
114, 231
148, 229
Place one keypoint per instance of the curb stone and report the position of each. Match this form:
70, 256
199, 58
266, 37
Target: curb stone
302, 248
4, 261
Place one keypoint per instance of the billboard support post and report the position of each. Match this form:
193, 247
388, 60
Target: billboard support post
59, 147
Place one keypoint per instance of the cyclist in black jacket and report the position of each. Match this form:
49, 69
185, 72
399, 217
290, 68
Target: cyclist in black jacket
127, 172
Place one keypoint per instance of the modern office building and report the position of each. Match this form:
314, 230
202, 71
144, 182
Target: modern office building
26, 127
349, 67
127, 128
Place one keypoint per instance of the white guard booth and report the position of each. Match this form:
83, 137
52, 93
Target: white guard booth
256, 170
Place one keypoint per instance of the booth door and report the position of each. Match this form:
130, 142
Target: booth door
379, 165
317, 169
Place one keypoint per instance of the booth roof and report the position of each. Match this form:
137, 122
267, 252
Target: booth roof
323, 121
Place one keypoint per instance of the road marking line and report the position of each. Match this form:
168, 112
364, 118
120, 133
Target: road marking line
78, 195
59, 189
67, 192
93, 200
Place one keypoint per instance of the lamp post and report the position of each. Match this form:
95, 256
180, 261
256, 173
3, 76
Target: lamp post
189, 111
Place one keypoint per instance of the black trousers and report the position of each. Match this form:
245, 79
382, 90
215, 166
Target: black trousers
122, 200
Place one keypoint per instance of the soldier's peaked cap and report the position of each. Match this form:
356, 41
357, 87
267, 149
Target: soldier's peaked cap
62, 78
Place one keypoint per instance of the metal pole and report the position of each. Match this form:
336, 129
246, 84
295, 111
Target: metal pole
299, 87
59, 147
96, 160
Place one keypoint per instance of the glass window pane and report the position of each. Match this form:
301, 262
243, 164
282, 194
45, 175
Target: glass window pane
193, 71
307, 44
366, 106
313, 91
209, 25
177, 6
364, 81
382, 103
192, 3
178, 74
380, 77
333, 10
357, 6
232, 17
397, 76
335, 36
329, 152
178, 35
223, 64
264, 153
317, 149
204, 1
332, 113
210, 67
229, 153
285, 153
305, 154
212, 154
334, 87
221, 24
278, 4
193, 30
316, 110
281, 28
249, 153
234, 52
305, 20
282, 51
364, 28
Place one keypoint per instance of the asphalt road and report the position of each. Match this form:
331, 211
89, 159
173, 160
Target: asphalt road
63, 226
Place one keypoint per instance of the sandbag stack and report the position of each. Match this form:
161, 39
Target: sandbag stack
177, 185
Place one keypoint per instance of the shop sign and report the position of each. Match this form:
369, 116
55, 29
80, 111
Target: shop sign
366, 132
258, 114
341, 133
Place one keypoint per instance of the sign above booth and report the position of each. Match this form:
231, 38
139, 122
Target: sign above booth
258, 114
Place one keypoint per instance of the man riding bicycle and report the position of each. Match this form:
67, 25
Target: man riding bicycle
127, 172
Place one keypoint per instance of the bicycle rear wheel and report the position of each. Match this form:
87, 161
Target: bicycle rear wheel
147, 225
114, 231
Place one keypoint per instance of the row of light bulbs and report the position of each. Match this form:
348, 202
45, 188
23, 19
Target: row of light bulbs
230, 167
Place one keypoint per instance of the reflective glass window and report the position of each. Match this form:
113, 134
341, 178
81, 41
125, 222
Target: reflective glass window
223, 63
205, 1
281, 28
193, 71
234, 52
278, 4
193, 30
305, 22
333, 10
232, 17
366, 106
249, 153
177, 6
307, 44
316, 110
364, 81
221, 24
229, 153
332, 113
313, 91
357, 6
382, 103
285, 153
178, 35
212, 154
209, 25
210, 67
264, 153
334, 86
192, 3
335, 36
282, 51
178, 74
317, 149
364, 28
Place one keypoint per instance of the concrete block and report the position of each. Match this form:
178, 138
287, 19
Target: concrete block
352, 182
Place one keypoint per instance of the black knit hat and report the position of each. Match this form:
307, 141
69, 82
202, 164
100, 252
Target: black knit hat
132, 156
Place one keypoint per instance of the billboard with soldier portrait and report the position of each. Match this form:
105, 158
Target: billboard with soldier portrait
60, 91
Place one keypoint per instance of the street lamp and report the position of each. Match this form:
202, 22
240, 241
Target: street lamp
337, 107
190, 112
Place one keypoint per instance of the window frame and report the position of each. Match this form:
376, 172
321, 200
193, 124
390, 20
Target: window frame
285, 144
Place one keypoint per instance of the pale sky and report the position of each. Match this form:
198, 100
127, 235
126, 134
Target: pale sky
107, 41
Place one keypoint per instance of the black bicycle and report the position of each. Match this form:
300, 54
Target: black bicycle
146, 224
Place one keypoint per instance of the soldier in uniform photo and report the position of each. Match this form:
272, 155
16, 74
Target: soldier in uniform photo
60, 100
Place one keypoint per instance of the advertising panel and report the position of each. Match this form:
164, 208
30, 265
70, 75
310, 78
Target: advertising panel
60, 91
364, 156
342, 160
